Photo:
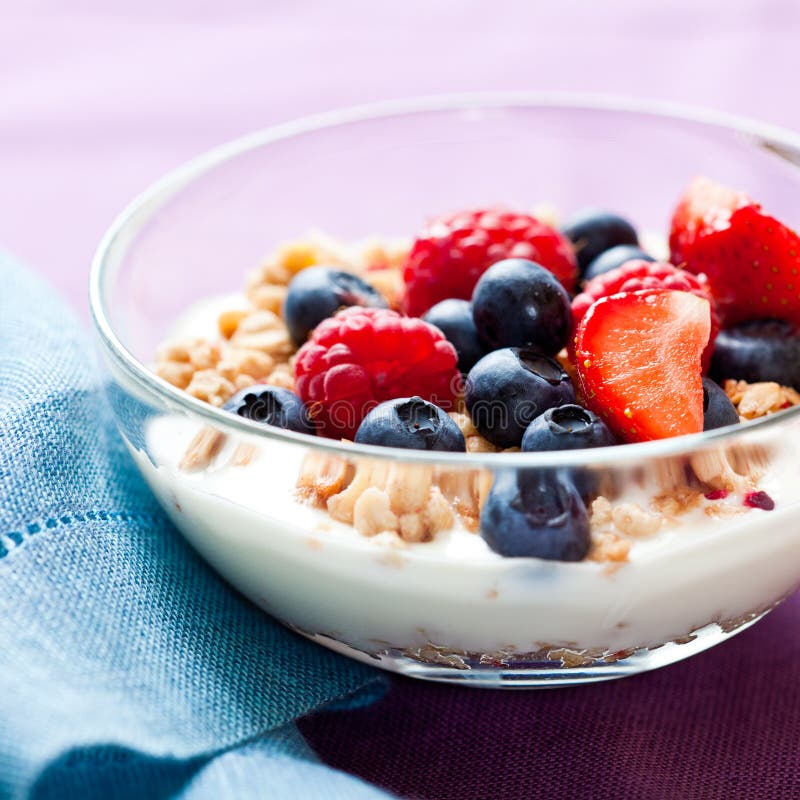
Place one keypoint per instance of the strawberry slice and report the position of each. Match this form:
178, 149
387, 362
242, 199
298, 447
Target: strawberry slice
635, 276
752, 266
706, 206
638, 362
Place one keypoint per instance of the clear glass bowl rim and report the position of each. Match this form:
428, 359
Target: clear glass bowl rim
140, 210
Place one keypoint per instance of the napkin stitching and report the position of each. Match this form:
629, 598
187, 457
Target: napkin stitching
17, 538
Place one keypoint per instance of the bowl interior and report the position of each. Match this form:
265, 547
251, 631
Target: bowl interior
200, 232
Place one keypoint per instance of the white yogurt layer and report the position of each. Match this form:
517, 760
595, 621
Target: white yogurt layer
323, 577
372, 593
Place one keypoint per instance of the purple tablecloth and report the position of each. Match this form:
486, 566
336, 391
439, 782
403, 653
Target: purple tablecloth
97, 101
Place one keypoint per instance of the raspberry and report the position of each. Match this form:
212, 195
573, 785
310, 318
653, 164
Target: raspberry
454, 250
364, 356
637, 275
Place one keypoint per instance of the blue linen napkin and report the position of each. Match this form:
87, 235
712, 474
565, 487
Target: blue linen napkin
127, 667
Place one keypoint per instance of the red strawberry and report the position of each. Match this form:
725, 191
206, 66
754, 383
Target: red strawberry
454, 250
637, 275
753, 267
638, 361
705, 206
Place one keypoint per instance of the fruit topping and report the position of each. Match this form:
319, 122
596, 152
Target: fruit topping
508, 388
613, 258
454, 250
759, 500
412, 423
271, 405
638, 275
454, 319
594, 231
569, 427
757, 351
317, 293
364, 356
546, 520
752, 260
705, 207
518, 303
718, 411
638, 361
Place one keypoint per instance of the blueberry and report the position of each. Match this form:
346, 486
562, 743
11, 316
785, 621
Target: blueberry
518, 303
718, 411
271, 405
454, 319
508, 388
412, 423
568, 427
593, 231
548, 521
760, 350
317, 293
613, 258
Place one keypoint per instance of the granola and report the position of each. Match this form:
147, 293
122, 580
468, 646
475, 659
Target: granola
204, 447
753, 400
566, 655
254, 345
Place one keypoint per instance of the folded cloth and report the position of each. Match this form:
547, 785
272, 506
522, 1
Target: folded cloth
129, 669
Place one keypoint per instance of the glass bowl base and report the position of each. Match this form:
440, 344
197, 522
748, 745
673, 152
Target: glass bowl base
540, 674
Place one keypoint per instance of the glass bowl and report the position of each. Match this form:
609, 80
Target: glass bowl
678, 563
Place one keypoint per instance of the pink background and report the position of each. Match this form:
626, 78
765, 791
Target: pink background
98, 99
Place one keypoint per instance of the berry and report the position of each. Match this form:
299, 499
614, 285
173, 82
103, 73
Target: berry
593, 231
718, 411
508, 388
751, 259
548, 520
759, 500
454, 250
760, 350
412, 423
568, 427
517, 303
613, 258
271, 405
637, 275
638, 362
317, 293
454, 319
705, 206
364, 356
